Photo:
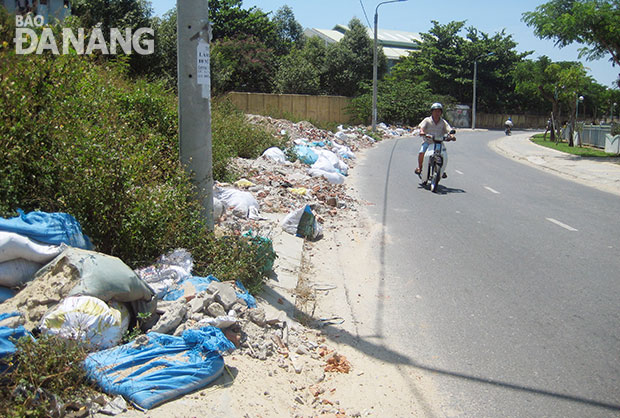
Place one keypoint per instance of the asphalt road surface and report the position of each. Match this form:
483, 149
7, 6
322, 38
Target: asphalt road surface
504, 288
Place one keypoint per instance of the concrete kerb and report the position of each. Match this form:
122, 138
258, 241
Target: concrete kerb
279, 291
602, 175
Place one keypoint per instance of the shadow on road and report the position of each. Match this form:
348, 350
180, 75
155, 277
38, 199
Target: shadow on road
388, 355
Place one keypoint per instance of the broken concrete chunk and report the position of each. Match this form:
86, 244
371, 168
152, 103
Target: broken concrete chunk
171, 319
215, 309
257, 316
273, 316
198, 304
224, 293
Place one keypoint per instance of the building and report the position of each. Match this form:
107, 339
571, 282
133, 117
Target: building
396, 44
50, 10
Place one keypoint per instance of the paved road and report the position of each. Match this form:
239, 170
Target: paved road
504, 288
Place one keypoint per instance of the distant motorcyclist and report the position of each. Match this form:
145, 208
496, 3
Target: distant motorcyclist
508, 126
433, 125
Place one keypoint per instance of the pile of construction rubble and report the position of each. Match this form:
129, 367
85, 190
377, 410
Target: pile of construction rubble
308, 190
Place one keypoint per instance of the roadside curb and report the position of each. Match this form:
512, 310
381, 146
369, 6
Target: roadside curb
602, 175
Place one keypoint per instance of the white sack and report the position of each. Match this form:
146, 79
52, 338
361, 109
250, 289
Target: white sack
18, 272
275, 154
243, 204
88, 319
343, 151
333, 178
14, 246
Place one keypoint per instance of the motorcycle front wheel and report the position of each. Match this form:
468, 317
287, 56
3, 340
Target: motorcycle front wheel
435, 176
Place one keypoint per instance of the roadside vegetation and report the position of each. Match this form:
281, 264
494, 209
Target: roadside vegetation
80, 136
583, 151
45, 378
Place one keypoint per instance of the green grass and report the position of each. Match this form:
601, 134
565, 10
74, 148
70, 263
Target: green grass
583, 151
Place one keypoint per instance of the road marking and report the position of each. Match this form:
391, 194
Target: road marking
563, 225
460, 172
491, 190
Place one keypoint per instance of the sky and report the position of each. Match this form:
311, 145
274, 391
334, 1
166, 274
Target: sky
487, 16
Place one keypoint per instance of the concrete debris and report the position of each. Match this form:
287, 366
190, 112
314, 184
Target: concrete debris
224, 293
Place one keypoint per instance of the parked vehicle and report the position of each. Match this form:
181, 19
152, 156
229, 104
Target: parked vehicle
435, 161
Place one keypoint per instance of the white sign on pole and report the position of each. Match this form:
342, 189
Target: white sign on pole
202, 67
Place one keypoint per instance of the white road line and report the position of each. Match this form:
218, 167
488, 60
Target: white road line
460, 172
555, 221
491, 190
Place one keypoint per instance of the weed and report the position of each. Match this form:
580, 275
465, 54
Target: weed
44, 375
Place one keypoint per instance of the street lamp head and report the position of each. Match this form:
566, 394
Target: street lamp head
581, 98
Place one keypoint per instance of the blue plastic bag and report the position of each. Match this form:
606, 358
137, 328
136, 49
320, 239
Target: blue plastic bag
249, 299
305, 154
200, 284
8, 336
164, 368
50, 228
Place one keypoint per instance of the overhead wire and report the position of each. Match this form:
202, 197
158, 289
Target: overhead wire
365, 15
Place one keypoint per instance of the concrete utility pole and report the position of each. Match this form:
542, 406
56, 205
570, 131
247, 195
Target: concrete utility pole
193, 66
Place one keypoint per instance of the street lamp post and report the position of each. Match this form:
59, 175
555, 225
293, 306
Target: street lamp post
473, 104
613, 109
577, 100
374, 67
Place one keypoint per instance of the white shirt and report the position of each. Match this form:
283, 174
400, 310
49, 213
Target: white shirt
438, 129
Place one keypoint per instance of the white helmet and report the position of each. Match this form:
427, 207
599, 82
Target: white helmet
436, 106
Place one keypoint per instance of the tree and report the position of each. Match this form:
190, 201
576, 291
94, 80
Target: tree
350, 61
590, 22
164, 62
113, 13
289, 31
242, 64
230, 21
446, 59
559, 83
301, 71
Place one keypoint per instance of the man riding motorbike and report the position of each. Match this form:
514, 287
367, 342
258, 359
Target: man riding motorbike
433, 125
508, 126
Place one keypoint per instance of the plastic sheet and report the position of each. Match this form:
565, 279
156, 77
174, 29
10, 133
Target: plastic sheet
189, 286
161, 368
50, 228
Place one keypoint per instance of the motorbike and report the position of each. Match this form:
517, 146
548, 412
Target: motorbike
508, 129
435, 161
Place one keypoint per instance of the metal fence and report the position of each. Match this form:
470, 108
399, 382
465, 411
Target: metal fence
594, 135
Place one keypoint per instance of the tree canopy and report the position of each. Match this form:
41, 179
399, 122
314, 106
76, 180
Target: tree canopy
446, 62
593, 23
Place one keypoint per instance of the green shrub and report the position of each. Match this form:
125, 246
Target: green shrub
80, 137
234, 136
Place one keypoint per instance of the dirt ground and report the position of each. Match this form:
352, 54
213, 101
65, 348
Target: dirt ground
337, 371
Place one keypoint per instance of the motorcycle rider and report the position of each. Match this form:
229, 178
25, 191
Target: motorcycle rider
508, 125
433, 125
